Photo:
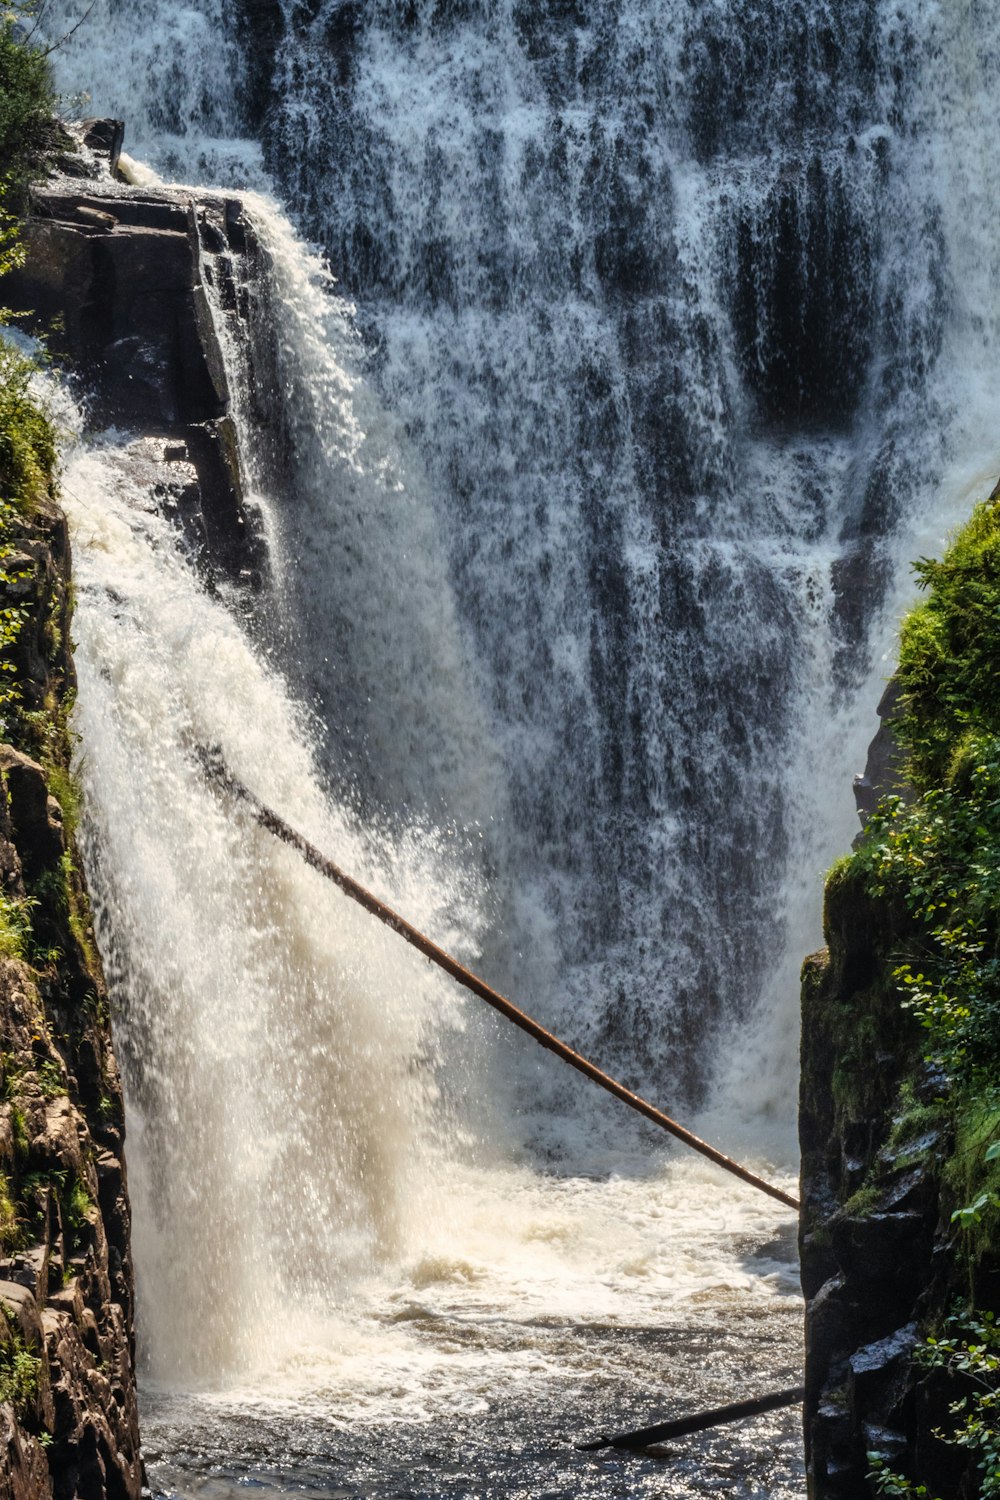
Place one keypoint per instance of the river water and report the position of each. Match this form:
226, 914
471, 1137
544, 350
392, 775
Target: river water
628, 351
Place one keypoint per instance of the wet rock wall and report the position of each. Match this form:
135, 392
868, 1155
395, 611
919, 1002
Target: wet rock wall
879, 1261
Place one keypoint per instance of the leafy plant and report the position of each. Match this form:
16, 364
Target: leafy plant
51, 1081
15, 925
940, 859
76, 1207
889, 1483
20, 1371
970, 1353
949, 671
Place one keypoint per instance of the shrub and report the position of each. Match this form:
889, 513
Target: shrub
949, 665
26, 100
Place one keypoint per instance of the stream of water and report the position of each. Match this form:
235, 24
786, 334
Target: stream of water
628, 350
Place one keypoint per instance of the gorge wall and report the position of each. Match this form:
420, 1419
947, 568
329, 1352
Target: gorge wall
871, 1196
898, 1116
66, 1289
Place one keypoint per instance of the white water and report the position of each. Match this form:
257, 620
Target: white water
283, 1051
328, 1190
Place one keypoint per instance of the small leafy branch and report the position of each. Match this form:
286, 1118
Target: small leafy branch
970, 1353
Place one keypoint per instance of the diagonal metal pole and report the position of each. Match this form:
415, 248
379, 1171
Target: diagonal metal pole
267, 818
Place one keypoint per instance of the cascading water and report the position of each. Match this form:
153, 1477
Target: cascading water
672, 338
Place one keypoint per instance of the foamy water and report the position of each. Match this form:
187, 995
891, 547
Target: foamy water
573, 646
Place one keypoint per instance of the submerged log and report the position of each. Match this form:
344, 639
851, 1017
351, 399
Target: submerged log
662, 1432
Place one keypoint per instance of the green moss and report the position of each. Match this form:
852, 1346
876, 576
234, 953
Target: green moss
855, 1037
864, 1201
10, 1224
912, 1121
64, 788
19, 1130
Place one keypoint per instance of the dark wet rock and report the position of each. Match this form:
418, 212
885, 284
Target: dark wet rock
884, 772
105, 138
885, 1258
117, 277
886, 1356
830, 1331
35, 816
87, 150
875, 1232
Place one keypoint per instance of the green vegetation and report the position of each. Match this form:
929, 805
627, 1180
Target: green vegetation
26, 101
911, 1124
69, 1191
27, 460
935, 863
949, 667
10, 1226
76, 1206
27, 439
19, 1130
51, 1080
939, 857
20, 1370
46, 925
970, 1354
15, 926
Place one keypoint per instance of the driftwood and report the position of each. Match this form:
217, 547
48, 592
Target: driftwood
662, 1432
220, 773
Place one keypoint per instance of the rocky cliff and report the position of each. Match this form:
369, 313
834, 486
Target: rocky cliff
66, 1292
871, 1198
118, 279
899, 1084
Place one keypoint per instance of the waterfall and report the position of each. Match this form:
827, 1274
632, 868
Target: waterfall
667, 299
625, 352
273, 1040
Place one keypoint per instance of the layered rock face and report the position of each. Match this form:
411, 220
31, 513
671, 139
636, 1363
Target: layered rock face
870, 1201
118, 278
